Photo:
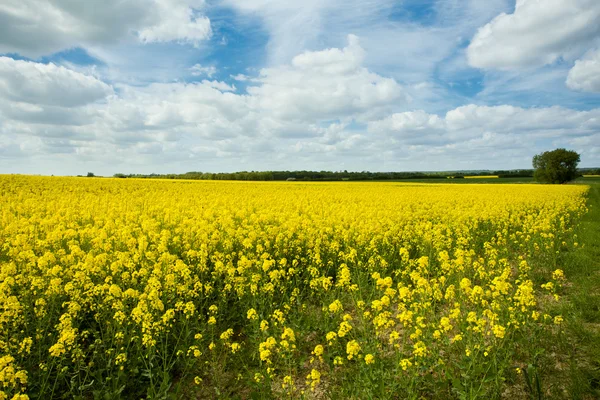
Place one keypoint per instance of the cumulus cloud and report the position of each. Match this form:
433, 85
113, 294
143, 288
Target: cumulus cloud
478, 123
482, 137
48, 84
166, 111
199, 70
325, 84
290, 101
411, 122
34, 95
178, 21
323, 110
34, 28
585, 74
294, 102
537, 33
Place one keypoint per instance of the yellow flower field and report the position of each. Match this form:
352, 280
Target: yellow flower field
145, 288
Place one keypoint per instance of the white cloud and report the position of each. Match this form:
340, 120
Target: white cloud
323, 85
288, 101
322, 110
34, 28
537, 33
240, 77
48, 84
585, 75
177, 21
222, 86
409, 122
476, 124
407, 50
301, 100
332, 61
199, 70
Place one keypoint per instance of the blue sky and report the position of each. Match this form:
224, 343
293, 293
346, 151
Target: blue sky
225, 85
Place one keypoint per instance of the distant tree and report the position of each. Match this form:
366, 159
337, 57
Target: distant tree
90, 175
556, 166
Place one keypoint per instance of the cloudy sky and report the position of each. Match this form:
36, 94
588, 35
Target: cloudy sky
140, 86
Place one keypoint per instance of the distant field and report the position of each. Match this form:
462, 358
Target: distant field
496, 180
589, 179
487, 179
203, 289
482, 177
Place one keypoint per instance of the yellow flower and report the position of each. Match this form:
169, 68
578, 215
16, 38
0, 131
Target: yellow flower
251, 314
264, 325
456, 338
287, 381
265, 354
313, 379
419, 349
405, 364
558, 275
288, 334
352, 349
499, 331
445, 324
318, 351
227, 334
336, 306
345, 327
331, 336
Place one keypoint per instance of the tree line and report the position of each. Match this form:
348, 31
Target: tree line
557, 166
326, 175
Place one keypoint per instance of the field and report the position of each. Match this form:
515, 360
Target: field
176, 289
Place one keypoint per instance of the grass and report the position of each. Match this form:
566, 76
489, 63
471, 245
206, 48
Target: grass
570, 366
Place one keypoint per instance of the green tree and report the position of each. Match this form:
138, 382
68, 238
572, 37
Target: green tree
556, 166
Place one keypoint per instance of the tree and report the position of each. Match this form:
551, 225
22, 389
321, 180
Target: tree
90, 175
556, 166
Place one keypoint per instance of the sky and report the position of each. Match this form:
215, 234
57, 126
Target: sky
170, 86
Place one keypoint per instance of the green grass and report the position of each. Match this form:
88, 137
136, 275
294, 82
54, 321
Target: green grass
570, 366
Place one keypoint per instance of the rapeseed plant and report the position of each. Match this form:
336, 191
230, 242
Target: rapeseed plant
129, 288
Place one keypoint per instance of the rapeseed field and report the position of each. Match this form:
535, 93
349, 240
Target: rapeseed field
174, 289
